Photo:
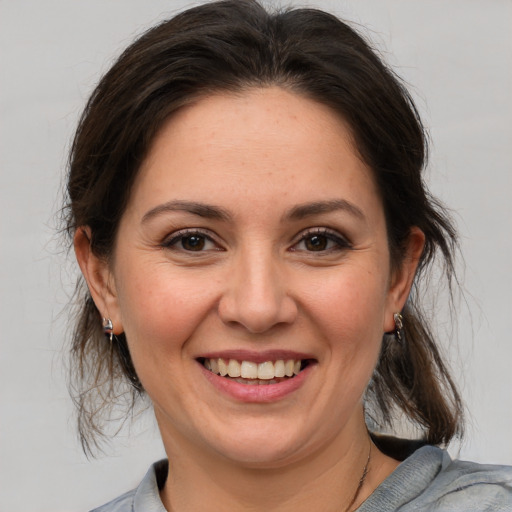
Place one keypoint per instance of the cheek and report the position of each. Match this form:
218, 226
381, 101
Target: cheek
352, 323
349, 308
162, 312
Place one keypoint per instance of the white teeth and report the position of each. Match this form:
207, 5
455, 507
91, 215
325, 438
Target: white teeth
249, 370
288, 367
267, 371
234, 368
279, 368
223, 367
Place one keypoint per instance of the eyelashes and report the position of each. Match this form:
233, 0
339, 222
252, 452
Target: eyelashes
319, 240
191, 240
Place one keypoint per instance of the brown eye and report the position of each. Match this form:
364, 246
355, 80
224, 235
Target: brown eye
321, 240
193, 242
316, 243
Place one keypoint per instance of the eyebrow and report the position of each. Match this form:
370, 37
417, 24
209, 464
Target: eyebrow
200, 209
319, 207
298, 212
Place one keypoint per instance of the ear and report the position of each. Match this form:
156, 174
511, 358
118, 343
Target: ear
403, 277
98, 276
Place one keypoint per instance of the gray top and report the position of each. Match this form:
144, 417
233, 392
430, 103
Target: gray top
428, 480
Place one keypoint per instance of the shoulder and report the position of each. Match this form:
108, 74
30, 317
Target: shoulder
468, 486
144, 498
123, 503
429, 480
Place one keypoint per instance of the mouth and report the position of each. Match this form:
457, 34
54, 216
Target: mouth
256, 373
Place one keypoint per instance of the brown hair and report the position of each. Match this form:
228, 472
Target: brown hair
230, 46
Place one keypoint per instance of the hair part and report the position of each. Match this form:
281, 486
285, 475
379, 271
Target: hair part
231, 46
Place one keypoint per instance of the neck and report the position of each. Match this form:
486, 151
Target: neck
327, 479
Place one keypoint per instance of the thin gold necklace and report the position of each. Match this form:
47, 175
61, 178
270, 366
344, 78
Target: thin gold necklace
361, 480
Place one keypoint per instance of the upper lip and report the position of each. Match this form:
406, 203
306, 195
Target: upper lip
256, 356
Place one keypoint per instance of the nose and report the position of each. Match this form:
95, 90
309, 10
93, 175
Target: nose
255, 295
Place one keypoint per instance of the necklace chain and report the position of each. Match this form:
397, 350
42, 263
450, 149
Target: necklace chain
361, 480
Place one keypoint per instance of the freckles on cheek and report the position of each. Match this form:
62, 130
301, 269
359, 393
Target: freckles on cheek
162, 314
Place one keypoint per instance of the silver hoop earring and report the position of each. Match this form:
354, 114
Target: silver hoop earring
108, 328
399, 327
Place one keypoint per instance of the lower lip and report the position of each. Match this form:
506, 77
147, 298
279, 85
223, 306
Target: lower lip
256, 393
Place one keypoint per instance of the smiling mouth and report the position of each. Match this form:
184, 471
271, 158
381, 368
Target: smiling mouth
251, 373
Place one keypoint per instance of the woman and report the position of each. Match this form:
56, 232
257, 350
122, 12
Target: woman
247, 207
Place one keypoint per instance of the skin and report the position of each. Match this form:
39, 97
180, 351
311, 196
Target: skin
257, 284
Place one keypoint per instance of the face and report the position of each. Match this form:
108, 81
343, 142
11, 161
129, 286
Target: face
254, 242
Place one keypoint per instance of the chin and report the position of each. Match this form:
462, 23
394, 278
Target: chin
261, 456
270, 446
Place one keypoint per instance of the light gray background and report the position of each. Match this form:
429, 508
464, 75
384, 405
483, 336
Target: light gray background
458, 56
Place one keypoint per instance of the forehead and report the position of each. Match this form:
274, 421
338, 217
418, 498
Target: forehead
259, 145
